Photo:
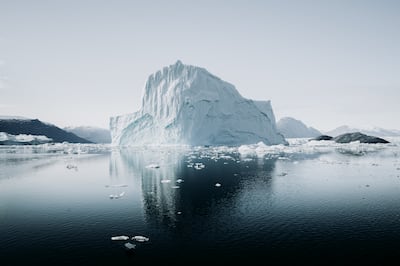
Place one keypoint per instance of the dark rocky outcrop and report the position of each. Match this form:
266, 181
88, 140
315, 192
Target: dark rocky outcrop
323, 137
357, 136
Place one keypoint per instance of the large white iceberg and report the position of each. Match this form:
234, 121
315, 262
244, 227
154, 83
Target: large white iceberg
187, 105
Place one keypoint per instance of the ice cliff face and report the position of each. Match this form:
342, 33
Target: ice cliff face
185, 104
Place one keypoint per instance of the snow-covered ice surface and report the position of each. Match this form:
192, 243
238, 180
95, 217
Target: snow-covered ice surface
185, 104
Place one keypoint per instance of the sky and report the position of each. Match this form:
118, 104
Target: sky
78, 62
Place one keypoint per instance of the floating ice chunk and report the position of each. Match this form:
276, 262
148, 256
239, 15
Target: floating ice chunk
153, 165
140, 238
118, 185
119, 238
164, 181
179, 213
175, 187
179, 181
225, 163
117, 196
72, 166
218, 185
199, 166
130, 246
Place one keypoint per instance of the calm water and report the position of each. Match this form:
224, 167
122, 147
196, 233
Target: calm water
324, 205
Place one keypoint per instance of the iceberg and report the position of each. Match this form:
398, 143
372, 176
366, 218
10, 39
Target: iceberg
140, 238
119, 238
187, 105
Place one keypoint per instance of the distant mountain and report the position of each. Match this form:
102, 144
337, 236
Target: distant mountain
93, 134
293, 128
8, 117
36, 127
376, 131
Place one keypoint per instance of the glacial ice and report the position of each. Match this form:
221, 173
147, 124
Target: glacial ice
117, 196
140, 238
186, 105
129, 246
119, 238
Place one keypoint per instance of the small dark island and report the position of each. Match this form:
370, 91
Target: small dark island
357, 136
350, 137
322, 137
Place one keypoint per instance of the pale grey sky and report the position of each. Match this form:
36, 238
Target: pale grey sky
327, 63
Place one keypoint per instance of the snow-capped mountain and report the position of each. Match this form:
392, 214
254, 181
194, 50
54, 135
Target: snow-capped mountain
185, 104
376, 131
35, 129
293, 128
93, 134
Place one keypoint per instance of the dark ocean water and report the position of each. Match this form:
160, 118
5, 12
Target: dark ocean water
324, 208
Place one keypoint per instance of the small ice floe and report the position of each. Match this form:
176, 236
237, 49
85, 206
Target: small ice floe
165, 181
179, 181
283, 174
117, 185
117, 196
235, 174
296, 162
218, 185
190, 165
72, 166
225, 162
129, 246
179, 213
153, 165
140, 238
199, 166
175, 187
119, 238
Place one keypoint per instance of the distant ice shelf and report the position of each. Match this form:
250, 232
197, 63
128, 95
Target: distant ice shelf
9, 139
